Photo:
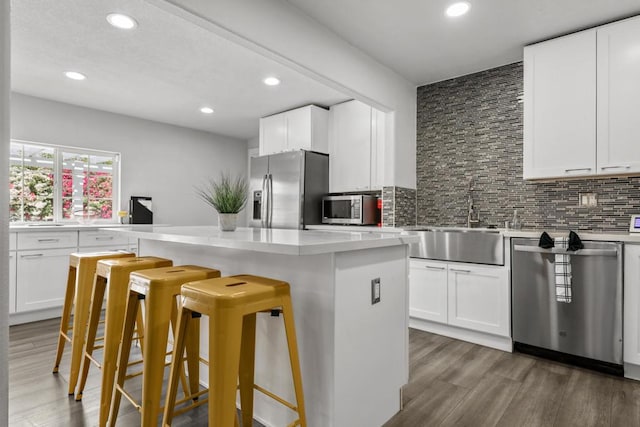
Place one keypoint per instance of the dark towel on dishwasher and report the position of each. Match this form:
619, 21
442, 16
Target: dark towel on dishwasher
574, 242
546, 241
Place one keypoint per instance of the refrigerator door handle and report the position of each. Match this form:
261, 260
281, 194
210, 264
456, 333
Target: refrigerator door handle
270, 200
263, 203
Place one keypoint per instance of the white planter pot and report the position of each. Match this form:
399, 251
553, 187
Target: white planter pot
228, 221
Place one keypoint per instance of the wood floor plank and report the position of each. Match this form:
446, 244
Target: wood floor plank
587, 400
432, 365
485, 404
471, 367
625, 409
513, 366
431, 407
538, 400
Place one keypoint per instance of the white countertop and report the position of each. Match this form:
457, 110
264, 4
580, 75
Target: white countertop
277, 241
61, 227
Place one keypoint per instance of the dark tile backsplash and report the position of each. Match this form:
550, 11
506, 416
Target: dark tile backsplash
470, 128
398, 206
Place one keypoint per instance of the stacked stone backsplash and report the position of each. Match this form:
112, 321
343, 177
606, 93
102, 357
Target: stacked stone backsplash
398, 206
470, 129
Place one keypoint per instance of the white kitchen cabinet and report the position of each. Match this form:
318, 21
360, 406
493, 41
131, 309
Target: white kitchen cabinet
428, 290
41, 278
631, 322
101, 238
619, 97
356, 147
12, 282
479, 298
560, 107
304, 128
47, 240
581, 97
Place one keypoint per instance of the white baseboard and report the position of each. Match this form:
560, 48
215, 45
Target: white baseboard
631, 371
34, 316
487, 340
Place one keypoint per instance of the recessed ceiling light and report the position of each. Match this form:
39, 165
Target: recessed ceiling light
271, 81
121, 21
206, 110
458, 9
74, 75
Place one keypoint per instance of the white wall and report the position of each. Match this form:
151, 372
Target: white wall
280, 31
5, 62
158, 160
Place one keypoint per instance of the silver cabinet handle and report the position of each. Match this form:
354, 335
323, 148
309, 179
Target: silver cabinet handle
579, 252
604, 168
31, 256
48, 240
104, 237
263, 203
430, 267
577, 169
457, 270
270, 201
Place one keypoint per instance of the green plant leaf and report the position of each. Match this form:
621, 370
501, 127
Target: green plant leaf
227, 195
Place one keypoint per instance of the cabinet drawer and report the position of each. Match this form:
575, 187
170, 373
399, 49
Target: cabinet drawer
12, 241
50, 240
101, 238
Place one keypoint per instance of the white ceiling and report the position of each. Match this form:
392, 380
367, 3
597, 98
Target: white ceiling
416, 39
165, 70
168, 68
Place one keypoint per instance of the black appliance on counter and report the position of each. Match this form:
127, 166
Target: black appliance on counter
140, 210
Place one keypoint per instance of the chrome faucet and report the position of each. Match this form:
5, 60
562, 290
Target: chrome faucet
473, 217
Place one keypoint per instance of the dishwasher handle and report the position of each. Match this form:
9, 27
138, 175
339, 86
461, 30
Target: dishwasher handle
580, 252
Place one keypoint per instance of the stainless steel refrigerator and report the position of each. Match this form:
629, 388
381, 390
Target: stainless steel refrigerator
286, 189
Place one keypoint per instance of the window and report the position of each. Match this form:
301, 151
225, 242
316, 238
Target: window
49, 183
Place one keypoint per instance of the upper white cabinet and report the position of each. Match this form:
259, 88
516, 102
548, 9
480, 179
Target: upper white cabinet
559, 107
356, 147
619, 97
304, 128
581, 97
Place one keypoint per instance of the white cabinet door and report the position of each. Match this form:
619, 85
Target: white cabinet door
631, 323
479, 298
560, 107
378, 140
273, 134
428, 290
299, 128
41, 278
619, 97
350, 147
12, 282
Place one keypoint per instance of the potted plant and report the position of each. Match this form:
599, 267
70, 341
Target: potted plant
228, 196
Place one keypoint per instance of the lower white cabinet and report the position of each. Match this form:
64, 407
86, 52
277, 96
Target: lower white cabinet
428, 290
41, 278
470, 296
631, 322
12, 282
479, 298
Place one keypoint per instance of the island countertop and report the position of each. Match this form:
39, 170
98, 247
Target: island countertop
278, 241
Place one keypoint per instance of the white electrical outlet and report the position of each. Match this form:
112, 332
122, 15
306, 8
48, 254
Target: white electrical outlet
587, 200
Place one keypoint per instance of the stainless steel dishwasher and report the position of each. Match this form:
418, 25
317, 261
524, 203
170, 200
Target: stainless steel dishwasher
588, 330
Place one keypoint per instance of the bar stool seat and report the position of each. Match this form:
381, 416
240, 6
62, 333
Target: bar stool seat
231, 304
111, 274
158, 287
82, 269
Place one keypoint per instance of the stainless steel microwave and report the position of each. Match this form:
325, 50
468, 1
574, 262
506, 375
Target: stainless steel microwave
354, 210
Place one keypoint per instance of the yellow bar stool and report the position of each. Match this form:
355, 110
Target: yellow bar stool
82, 269
231, 304
111, 274
158, 287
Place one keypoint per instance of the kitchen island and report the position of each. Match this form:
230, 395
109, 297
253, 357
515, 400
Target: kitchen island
353, 352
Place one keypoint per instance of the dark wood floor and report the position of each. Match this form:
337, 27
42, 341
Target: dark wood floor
452, 383
39, 398
455, 383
